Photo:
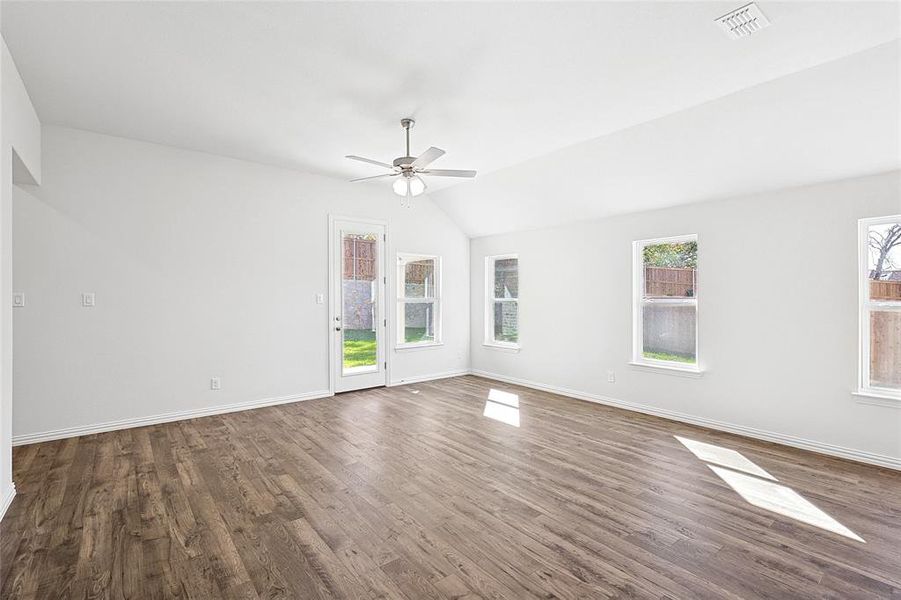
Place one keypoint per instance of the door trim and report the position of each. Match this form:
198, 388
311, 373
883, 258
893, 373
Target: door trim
333, 293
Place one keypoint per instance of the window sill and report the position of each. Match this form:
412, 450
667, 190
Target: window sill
693, 372
876, 398
501, 347
405, 347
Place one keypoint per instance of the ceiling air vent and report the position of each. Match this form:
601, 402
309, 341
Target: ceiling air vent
743, 21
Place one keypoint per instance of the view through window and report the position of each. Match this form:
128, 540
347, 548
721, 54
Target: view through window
503, 300
667, 301
419, 321
358, 292
881, 304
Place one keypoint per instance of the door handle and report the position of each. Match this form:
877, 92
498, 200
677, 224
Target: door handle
337, 329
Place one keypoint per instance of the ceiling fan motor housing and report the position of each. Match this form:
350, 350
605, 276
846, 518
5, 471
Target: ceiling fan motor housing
404, 162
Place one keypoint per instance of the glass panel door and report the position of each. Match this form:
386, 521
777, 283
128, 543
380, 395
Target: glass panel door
358, 300
359, 286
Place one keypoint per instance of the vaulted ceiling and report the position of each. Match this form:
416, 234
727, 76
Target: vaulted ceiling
625, 91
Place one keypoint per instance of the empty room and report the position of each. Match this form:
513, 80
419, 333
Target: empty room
450, 300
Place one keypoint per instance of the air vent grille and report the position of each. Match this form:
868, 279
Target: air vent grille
743, 22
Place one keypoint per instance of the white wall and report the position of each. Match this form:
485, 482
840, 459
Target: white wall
20, 145
778, 312
202, 266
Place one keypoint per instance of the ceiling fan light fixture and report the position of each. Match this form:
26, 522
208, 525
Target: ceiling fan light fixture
417, 186
409, 170
408, 184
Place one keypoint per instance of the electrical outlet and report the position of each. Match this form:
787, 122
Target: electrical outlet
611, 376
87, 299
215, 383
320, 298
18, 299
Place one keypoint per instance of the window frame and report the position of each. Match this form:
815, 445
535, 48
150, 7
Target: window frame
639, 302
489, 340
400, 329
866, 306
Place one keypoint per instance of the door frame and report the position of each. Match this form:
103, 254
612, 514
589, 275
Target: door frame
334, 293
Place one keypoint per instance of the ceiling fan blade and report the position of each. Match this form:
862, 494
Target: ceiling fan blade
427, 157
449, 173
369, 160
375, 177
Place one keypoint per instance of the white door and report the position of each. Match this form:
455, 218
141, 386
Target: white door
358, 315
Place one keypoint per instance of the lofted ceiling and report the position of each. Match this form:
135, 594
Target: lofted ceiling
838, 120
300, 85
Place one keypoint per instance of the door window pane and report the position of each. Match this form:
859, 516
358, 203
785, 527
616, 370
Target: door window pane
359, 292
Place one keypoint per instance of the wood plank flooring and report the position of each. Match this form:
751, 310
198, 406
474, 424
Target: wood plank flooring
412, 492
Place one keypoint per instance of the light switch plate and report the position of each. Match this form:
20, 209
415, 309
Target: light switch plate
87, 299
18, 299
215, 383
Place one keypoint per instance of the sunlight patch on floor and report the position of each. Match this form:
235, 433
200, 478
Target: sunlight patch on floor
781, 500
503, 397
724, 457
503, 407
761, 489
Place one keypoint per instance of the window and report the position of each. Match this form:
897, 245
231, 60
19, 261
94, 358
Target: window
666, 302
880, 306
419, 301
502, 302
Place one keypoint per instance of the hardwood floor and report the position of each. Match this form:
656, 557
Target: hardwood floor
412, 492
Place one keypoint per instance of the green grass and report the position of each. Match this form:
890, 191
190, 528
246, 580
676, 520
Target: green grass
359, 348
682, 358
360, 345
413, 335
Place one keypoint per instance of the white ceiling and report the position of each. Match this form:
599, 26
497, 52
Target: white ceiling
834, 121
495, 84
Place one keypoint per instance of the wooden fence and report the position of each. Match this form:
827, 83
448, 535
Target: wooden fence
885, 349
418, 272
885, 290
663, 282
359, 259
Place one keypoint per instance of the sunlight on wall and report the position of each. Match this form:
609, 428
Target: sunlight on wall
760, 489
503, 407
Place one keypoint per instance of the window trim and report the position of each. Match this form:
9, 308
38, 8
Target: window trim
638, 302
489, 340
402, 259
865, 307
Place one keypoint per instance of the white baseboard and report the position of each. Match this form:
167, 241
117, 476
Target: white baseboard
820, 447
432, 377
7, 499
67, 432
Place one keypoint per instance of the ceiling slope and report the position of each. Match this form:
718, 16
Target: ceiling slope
833, 121
301, 84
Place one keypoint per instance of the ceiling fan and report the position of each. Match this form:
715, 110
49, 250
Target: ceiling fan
408, 169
